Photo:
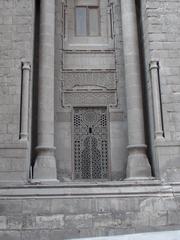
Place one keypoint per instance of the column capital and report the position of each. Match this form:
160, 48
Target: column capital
153, 65
26, 66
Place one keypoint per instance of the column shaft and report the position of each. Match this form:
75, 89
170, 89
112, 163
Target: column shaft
138, 164
154, 69
45, 165
25, 100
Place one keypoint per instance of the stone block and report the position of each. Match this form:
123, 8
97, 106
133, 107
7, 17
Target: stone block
5, 164
17, 176
3, 222
158, 219
64, 234
9, 4
14, 222
7, 20
10, 206
107, 220
29, 222
50, 222
174, 218
120, 231
73, 206
36, 206
37, 234
117, 204
78, 221
87, 232
10, 235
25, 20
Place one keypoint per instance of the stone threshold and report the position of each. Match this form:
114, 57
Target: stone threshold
148, 188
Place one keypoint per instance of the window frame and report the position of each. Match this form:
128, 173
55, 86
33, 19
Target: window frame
87, 7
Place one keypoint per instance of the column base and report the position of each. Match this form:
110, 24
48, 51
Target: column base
138, 179
138, 167
23, 137
44, 182
45, 165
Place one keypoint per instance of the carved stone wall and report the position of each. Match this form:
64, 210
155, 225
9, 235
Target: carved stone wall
89, 73
91, 54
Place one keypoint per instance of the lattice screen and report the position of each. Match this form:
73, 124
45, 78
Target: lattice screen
90, 143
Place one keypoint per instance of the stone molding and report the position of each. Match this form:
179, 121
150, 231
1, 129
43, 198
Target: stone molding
149, 188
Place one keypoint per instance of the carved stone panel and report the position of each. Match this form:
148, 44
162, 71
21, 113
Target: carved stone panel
88, 60
106, 79
89, 98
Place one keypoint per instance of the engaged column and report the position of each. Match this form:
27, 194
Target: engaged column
138, 165
45, 165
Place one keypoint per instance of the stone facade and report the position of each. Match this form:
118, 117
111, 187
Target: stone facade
160, 37
47, 73
16, 23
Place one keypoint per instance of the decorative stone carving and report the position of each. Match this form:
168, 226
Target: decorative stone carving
89, 60
90, 143
105, 79
85, 98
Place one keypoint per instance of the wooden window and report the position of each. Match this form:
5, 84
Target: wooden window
81, 21
93, 21
87, 21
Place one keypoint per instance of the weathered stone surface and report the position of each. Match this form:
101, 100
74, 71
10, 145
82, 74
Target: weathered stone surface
34, 206
3, 222
93, 209
117, 215
79, 221
10, 206
15, 222
50, 222
10, 235
36, 234
73, 206
28, 222
16, 38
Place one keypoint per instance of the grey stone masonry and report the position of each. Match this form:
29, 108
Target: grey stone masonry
164, 43
161, 38
74, 211
65, 209
16, 38
16, 47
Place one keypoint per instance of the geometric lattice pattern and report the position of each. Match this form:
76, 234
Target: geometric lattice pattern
90, 143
